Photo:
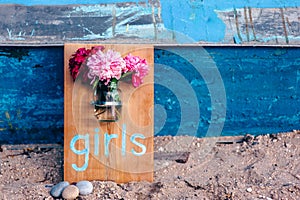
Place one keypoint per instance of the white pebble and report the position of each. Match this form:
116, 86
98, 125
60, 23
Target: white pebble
85, 187
161, 149
249, 190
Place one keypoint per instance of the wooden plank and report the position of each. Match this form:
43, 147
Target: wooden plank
261, 25
32, 102
150, 22
43, 24
137, 117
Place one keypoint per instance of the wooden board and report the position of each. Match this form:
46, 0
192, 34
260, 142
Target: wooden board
154, 21
58, 24
117, 151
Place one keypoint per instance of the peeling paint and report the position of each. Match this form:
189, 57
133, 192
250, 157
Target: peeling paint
266, 25
31, 101
262, 90
205, 25
79, 22
255, 22
248, 107
65, 2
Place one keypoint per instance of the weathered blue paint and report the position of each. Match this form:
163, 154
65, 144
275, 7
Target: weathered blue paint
198, 20
65, 2
217, 3
57, 24
31, 94
262, 91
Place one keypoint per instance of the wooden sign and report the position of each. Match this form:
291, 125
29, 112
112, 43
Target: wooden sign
119, 151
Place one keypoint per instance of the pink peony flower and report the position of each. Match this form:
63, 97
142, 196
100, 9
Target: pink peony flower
105, 66
97, 65
138, 66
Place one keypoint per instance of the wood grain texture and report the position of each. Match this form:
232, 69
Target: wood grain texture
137, 115
152, 22
261, 25
44, 24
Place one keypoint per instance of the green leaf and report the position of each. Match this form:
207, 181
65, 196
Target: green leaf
95, 84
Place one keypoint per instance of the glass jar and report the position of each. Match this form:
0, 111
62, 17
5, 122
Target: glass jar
107, 102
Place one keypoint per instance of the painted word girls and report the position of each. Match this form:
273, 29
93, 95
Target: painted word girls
107, 139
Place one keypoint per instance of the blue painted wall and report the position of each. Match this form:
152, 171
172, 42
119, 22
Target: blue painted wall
31, 95
261, 83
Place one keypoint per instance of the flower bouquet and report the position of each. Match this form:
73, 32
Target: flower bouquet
103, 70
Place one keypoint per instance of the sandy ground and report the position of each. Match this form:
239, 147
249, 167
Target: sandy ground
262, 167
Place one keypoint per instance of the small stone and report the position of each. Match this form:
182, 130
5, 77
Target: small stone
161, 149
249, 190
85, 187
70, 192
57, 189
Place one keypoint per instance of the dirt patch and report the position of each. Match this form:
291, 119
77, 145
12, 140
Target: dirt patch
262, 167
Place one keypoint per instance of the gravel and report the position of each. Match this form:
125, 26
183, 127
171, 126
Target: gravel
261, 167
